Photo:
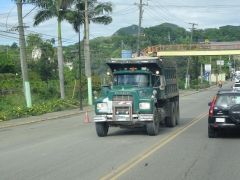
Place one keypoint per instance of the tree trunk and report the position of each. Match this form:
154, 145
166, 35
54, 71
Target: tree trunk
60, 62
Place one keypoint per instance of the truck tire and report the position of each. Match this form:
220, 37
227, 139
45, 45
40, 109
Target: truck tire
177, 112
153, 126
102, 128
171, 120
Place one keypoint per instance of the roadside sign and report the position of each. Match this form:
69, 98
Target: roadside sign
207, 73
207, 67
220, 62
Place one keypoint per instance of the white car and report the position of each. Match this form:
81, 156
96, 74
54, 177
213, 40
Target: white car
237, 79
236, 87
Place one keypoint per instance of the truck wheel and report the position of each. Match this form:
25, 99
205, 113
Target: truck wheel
171, 121
177, 112
153, 126
102, 128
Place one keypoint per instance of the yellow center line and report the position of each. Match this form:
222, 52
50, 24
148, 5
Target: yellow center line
143, 155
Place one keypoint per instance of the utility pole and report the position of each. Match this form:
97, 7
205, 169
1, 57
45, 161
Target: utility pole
79, 60
87, 55
139, 25
190, 47
22, 43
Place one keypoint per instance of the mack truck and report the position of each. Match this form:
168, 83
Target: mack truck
143, 93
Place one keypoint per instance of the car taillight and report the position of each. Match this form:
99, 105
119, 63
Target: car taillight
212, 106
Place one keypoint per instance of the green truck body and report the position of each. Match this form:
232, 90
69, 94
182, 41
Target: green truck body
143, 93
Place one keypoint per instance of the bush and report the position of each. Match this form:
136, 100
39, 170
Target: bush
181, 84
196, 84
41, 108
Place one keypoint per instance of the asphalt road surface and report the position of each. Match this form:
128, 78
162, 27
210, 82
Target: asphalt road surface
68, 149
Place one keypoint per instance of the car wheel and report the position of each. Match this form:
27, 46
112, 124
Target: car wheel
211, 132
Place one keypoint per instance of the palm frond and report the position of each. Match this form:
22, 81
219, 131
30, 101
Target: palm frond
45, 4
65, 3
75, 19
103, 8
42, 16
105, 20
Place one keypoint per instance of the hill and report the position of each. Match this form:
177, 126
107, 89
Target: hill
133, 29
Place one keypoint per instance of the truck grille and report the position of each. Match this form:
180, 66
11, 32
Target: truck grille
123, 109
123, 98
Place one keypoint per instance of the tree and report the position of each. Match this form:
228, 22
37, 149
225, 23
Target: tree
6, 65
94, 12
14, 45
46, 65
55, 9
33, 40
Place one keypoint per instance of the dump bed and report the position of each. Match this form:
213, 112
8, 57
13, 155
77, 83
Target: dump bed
152, 63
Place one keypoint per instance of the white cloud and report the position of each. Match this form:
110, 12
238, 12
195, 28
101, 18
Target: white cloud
205, 13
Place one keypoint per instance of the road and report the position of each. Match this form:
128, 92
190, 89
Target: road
68, 148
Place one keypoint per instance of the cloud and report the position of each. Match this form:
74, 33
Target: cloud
205, 13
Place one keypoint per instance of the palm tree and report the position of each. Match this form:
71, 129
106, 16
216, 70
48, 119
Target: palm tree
95, 13
54, 9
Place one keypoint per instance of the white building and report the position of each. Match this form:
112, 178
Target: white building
69, 65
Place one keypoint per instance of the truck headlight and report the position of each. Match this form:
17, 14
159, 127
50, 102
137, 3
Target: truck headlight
102, 106
144, 105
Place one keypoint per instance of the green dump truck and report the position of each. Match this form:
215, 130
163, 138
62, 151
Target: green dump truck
143, 92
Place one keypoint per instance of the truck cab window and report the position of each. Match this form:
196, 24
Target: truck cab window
140, 80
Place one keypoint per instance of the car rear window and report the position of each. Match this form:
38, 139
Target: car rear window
228, 100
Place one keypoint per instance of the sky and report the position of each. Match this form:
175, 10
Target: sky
204, 14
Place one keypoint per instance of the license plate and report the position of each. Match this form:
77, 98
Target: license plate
220, 119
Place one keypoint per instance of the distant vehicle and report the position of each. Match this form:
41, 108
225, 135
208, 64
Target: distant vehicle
237, 73
236, 87
224, 113
237, 79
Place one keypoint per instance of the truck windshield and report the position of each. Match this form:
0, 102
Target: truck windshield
131, 79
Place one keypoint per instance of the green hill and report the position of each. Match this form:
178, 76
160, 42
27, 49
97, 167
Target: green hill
133, 29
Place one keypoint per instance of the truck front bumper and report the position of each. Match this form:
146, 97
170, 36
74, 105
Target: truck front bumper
124, 118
